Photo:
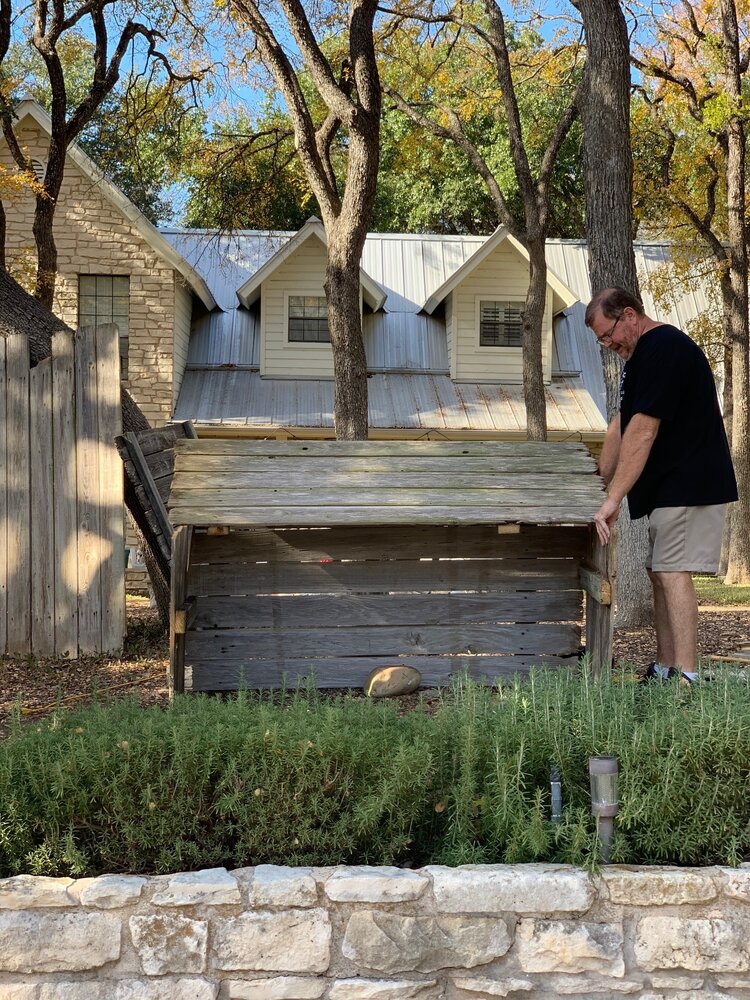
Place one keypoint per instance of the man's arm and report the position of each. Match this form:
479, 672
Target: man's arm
635, 448
610, 451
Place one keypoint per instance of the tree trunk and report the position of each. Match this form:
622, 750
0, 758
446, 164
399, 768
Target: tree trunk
738, 564
350, 408
46, 251
533, 317
608, 179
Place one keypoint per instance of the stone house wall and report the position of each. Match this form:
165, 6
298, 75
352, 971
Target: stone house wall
359, 933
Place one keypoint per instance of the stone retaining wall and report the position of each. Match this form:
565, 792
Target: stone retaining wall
271, 933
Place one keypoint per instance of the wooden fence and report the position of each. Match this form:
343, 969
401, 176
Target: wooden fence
61, 497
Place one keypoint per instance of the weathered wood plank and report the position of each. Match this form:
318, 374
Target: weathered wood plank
239, 446
42, 504
4, 568
599, 616
184, 617
314, 495
284, 477
66, 523
413, 542
144, 474
383, 577
596, 585
188, 462
18, 537
382, 640
387, 609
243, 517
226, 675
111, 494
181, 539
160, 439
87, 469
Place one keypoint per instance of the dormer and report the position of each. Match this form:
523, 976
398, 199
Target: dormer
288, 291
482, 301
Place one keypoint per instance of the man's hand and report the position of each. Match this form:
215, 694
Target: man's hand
605, 518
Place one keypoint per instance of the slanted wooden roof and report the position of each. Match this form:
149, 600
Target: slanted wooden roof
327, 483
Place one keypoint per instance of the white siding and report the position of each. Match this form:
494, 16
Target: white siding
183, 308
503, 276
302, 274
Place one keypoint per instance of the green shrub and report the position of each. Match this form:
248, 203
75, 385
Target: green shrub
300, 779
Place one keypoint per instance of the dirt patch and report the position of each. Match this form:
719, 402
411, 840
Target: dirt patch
35, 687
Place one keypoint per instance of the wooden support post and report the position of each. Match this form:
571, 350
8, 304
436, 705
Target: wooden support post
599, 573
181, 540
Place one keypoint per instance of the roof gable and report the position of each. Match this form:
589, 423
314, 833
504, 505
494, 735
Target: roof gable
29, 109
313, 229
562, 296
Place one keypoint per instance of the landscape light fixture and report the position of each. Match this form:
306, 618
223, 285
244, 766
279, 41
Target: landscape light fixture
603, 772
556, 794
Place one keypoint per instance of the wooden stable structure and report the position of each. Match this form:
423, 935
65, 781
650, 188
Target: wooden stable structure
294, 559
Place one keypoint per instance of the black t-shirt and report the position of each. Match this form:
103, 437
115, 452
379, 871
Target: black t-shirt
668, 376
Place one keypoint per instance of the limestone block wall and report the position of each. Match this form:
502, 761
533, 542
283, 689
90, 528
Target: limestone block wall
360, 933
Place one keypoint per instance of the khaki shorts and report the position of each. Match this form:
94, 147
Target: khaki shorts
685, 539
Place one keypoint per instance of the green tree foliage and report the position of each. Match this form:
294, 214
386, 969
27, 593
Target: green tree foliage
142, 135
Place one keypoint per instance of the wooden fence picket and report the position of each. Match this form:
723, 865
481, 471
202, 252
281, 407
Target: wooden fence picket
17, 458
3, 503
65, 492
112, 526
42, 504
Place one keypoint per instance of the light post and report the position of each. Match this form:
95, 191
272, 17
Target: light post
603, 773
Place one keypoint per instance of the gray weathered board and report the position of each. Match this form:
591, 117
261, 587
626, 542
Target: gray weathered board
343, 556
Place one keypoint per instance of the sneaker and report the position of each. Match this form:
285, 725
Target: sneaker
687, 678
656, 672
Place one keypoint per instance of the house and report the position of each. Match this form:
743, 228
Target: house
230, 330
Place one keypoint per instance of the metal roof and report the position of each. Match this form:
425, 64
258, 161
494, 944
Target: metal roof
399, 338
241, 398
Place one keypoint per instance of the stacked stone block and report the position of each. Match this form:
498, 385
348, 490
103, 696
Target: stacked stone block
359, 933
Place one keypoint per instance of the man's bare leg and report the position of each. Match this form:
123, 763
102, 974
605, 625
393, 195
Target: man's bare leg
664, 643
677, 632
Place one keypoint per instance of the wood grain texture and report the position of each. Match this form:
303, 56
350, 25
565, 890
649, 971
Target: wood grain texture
602, 559
436, 671
65, 490
42, 518
17, 458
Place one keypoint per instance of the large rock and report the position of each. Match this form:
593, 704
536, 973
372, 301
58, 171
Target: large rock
570, 946
108, 892
699, 945
278, 988
511, 888
58, 942
568, 985
132, 989
170, 943
22, 892
296, 941
391, 681
275, 885
389, 942
676, 983
737, 883
18, 991
380, 989
659, 886
363, 884
210, 887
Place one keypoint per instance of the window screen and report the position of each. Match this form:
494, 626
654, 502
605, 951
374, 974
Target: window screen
499, 324
308, 319
102, 299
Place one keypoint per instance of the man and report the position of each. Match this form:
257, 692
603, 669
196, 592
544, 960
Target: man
668, 452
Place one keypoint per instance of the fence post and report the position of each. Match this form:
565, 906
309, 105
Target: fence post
64, 487
42, 506
17, 429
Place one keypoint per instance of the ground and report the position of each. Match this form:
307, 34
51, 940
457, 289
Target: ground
35, 687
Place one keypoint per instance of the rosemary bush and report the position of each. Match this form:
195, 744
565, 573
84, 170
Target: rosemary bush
301, 779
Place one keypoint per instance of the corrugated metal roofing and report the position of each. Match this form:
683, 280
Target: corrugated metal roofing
400, 338
241, 398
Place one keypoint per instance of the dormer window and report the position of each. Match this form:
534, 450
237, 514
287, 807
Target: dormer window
308, 320
499, 324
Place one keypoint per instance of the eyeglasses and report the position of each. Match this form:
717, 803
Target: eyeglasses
606, 338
